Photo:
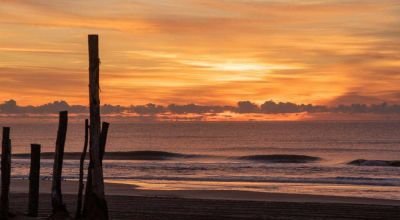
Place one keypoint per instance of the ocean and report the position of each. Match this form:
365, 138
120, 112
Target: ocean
235, 155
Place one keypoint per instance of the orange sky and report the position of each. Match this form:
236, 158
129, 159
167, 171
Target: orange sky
202, 51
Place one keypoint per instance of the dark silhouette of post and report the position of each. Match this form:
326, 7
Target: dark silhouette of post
96, 203
59, 209
5, 173
103, 139
34, 176
81, 167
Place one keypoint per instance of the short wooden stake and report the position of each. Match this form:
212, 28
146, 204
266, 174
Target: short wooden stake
5, 173
81, 167
59, 209
103, 139
34, 177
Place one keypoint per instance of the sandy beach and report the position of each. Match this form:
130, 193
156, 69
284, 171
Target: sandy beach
127, 202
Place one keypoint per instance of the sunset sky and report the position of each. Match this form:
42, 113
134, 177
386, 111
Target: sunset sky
202, 51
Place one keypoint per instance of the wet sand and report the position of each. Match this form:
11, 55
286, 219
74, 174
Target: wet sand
127, 202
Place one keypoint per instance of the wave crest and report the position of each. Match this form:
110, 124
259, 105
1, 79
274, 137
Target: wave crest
381, 163
281, 158
128, 155
144, 155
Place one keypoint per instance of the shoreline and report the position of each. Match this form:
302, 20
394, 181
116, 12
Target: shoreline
121, 189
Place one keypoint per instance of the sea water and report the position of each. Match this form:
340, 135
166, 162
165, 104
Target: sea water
232, 155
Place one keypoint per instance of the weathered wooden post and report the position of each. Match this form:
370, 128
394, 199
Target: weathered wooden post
96, 203
5, 173
103, 139
59, 209
34, 177
81, 166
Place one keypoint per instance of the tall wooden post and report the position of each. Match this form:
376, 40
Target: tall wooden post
97, 206
81, 166
5, 173
59, 209
34, 176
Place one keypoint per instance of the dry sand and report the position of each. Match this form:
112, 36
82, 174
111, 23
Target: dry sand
126, 202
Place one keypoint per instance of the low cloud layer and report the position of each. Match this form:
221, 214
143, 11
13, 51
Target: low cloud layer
242, 107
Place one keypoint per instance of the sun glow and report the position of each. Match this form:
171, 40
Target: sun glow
232, 66
203, 51
239, 66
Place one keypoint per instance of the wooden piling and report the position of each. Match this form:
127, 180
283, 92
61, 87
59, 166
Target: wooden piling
59, 209
34, 177
81, 167
5, 173
96, 204
103, 139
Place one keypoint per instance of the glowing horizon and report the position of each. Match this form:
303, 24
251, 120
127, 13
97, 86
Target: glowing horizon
202, 51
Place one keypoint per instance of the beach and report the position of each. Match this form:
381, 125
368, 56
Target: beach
128, 202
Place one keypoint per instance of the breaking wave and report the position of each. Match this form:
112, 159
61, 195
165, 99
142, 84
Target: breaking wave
128, 155
281, 158
381, 163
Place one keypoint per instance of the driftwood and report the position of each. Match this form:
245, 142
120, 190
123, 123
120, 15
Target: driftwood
34, 177
5, 173
81, 167
59, 209
95, 204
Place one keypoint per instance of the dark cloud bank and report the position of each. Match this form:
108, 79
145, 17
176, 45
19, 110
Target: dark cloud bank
242, 107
